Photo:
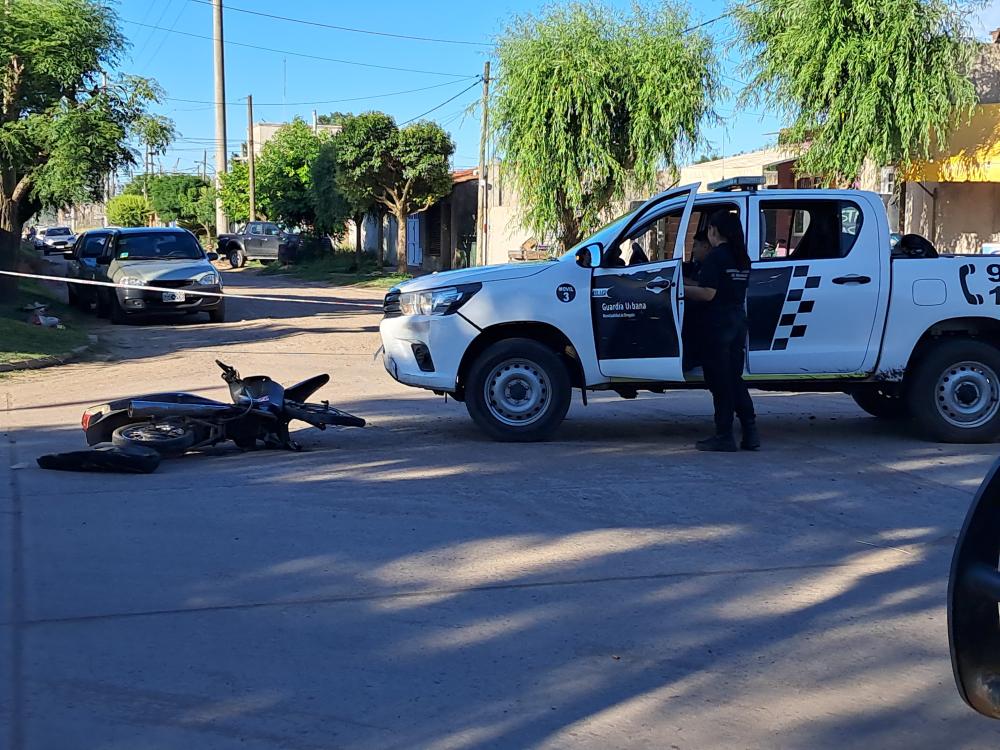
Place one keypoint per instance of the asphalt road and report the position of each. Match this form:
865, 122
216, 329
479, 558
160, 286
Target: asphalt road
412, 585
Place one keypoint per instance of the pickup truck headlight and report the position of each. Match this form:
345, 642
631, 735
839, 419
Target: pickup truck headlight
442, 301
209, 278
131, 281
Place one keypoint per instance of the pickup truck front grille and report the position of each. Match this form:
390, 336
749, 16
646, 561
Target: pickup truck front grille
390, 307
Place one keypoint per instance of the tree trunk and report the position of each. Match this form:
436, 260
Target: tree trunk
401, 265
10, 245
358, 250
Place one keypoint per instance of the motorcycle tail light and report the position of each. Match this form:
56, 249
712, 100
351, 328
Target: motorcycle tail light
88, 416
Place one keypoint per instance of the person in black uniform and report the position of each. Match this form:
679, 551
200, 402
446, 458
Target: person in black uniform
722, 285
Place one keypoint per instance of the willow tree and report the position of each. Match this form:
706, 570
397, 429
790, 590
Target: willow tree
858, 80
591, 103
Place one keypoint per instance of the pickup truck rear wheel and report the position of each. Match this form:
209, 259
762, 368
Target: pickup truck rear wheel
954, 392
880, 402
518, 390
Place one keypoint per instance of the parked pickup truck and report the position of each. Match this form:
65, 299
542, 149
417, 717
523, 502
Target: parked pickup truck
831, 306
258, 240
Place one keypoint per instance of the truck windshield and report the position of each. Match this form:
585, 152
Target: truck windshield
604, 235
158, 246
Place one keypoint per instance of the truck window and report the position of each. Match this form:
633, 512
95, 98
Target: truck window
271, 230
654, 240
255, 229
808, 229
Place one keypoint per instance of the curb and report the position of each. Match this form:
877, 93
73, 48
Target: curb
57, 359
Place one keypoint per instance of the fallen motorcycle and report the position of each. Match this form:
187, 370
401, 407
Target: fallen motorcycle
172, 423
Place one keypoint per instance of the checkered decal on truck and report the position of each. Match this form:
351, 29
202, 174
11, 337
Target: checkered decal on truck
795, 313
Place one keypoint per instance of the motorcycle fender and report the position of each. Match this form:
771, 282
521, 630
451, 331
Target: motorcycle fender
301, 391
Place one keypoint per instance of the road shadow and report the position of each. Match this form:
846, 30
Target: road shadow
410, 585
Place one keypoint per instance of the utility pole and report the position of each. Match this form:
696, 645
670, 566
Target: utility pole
251, 159
483, 197
315, 123
204, 165
145, 176
221, 223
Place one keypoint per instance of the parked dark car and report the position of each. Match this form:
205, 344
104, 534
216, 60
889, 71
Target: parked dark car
258, 240
169, 259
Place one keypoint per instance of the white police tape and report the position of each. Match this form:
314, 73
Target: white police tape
185, 291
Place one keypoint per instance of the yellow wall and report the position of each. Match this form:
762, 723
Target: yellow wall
972, 154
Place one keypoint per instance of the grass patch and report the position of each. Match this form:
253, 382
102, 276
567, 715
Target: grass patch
20, 340
338, 269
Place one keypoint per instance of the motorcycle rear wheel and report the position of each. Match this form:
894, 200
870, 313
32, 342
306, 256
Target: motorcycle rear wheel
166, 438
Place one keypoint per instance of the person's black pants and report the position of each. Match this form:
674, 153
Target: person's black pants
723, 358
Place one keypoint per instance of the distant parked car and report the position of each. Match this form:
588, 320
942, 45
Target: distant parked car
164, 257
258, 240
54, 240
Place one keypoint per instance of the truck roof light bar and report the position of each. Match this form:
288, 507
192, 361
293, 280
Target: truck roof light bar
750, 184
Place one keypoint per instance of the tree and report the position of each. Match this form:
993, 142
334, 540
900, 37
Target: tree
61, 129
235, 191
404, 169
334, 118
128, 210
173, 197
860, 79
332, 208
591, 104
284, 173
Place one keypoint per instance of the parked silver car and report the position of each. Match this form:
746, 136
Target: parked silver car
164, 257
54, 240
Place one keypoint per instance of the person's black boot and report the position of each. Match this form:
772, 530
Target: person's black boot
723, 443
751, 438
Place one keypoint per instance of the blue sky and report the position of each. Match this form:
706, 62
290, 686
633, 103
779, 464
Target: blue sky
284, 85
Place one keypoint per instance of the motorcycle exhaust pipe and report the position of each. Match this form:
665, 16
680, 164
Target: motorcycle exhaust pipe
161, 409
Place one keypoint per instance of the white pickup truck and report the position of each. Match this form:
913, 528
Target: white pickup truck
832, 306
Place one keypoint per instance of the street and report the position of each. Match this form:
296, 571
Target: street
415, 585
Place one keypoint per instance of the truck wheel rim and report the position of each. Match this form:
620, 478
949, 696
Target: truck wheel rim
968, 395
517, 392
154, 433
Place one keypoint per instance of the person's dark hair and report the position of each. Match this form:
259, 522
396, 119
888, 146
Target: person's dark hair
701, 236
729, 226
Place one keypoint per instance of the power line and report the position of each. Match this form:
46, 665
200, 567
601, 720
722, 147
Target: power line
348, 28
727, 14
450, 99
149, 37
172, 27
326, 101
301, 54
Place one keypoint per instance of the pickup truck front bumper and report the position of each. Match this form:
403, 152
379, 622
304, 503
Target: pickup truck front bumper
426, 351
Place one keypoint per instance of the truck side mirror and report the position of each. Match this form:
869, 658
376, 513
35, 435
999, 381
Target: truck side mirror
973, 593
589, 256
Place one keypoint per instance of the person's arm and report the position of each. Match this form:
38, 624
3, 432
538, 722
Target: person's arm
699, 293
709, 276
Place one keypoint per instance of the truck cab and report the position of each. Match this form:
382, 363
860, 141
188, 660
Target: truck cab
831, 306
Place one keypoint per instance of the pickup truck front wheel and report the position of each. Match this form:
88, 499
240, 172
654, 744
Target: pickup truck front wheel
518, 390
237, 258
954, 392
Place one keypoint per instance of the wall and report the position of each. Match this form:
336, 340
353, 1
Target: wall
963, 216
742, 165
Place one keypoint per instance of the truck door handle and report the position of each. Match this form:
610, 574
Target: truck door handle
658, 286
853, 279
